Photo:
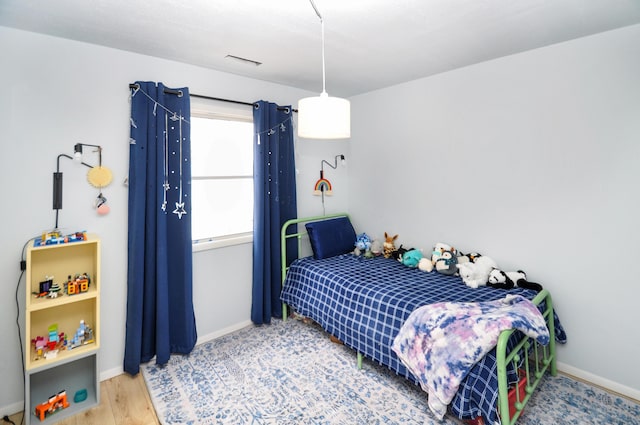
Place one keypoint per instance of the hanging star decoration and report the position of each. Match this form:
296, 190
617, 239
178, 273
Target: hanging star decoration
180, 211
166, 188
165, 185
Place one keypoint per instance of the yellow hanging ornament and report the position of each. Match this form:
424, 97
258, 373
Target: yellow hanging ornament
99, 176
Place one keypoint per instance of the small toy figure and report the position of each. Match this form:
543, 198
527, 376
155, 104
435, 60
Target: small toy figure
43, 287
54, 289
53, 337
78, 285
83, 336
51, 406
39, 344
48, 288
50, 238
48, 346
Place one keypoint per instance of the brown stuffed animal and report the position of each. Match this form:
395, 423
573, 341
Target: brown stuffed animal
389, 246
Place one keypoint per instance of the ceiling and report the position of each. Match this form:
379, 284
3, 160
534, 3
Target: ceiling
370, 44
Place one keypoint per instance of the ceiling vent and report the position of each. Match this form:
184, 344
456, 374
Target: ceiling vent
243, 60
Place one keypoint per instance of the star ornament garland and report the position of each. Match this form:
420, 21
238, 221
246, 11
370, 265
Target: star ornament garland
180, 204
170, 120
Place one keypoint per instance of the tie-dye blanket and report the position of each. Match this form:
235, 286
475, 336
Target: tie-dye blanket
440, 343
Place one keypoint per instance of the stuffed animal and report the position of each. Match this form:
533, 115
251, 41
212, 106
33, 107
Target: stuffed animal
362, 244
447, 263
438, 250
388, 247
507, 280
468, 258
398, 253
412, 258
425, 264
376, 248
477, 274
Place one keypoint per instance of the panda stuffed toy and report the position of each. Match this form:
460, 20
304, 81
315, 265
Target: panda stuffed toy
508, 280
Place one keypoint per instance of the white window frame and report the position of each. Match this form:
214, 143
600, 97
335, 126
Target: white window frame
213, 109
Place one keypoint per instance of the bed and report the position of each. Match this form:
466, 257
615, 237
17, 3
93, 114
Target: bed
363, 302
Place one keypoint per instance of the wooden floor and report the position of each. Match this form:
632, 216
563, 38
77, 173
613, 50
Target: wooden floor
124, 400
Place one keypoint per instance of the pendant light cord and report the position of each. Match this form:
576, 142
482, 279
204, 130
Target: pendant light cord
324, 91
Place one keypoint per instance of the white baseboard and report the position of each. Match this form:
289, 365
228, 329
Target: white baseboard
111, 373
10, 409
600, 381
224, 331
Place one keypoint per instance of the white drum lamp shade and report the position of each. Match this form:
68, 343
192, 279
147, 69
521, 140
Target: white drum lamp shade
324, 117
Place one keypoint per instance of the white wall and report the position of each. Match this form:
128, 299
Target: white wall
532, 159
57, 93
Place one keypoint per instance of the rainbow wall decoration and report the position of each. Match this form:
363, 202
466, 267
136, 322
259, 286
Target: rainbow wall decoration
323, 186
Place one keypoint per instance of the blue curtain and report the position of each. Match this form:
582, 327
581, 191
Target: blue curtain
160, 316
274, 180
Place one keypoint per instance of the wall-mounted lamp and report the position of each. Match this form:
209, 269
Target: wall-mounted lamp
323, 185
324, 117
98, 176
77, 152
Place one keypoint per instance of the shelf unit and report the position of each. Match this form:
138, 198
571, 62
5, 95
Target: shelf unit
74, 369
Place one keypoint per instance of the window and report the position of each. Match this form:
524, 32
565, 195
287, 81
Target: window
221, 172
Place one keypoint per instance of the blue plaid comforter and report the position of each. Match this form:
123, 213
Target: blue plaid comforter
364, 302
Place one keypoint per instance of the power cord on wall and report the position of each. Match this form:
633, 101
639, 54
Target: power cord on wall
23, 267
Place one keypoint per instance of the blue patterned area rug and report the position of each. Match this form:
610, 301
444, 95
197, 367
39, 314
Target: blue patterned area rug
290, 373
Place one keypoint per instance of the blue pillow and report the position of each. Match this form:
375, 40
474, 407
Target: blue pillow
331, 237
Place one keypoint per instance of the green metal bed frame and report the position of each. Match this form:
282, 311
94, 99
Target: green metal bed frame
534, 359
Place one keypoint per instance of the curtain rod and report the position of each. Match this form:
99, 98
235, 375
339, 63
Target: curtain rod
179, 93
220, 99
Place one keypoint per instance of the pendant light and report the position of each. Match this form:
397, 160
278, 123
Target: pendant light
324, 117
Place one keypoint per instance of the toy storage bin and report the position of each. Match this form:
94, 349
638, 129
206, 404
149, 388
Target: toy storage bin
520, 388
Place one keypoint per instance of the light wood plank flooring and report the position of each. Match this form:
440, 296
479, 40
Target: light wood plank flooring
124, 400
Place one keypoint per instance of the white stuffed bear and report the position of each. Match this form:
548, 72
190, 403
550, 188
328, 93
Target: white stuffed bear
425, 264
477, 274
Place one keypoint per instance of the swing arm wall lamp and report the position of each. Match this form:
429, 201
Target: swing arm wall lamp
57, 175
